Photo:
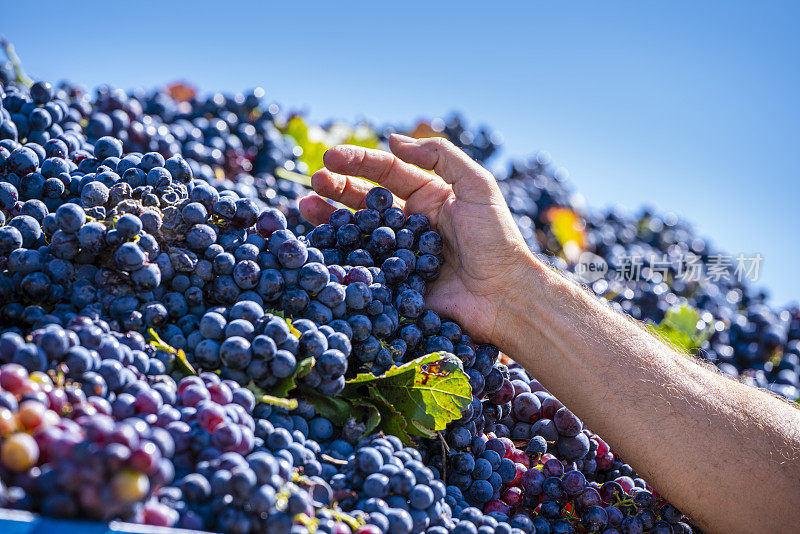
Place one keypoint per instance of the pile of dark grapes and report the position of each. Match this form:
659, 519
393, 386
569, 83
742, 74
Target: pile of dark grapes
156, 280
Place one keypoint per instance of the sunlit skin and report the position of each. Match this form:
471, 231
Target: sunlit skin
726, 454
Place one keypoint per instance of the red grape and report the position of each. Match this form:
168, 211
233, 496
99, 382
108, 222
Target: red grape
513, 496
13, 378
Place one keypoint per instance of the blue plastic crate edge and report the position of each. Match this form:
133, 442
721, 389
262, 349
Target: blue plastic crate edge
19, 522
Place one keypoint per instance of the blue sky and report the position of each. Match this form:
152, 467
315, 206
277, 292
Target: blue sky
691, 107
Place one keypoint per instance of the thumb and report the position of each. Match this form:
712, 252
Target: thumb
470, 181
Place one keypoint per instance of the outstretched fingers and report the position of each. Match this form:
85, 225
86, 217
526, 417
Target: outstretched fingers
379, 167
470, 181
401, 174
347, 190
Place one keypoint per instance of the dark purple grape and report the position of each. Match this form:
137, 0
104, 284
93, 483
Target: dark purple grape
341, 217
379, 198
269, 221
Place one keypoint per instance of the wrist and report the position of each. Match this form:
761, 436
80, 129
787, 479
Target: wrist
528, 282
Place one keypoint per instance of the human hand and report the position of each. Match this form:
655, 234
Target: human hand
484, 253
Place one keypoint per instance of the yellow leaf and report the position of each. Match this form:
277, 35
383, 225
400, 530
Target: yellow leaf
567, 226
424, 129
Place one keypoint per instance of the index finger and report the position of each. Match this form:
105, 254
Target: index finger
378, 166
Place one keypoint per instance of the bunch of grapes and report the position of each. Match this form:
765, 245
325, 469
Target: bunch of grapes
371, 236
266, 482
535, 491
389, 484
110, 365
140, 230
254, 493
63, 456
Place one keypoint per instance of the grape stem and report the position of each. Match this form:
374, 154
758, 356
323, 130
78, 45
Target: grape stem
12, 56
295, 177
445, 450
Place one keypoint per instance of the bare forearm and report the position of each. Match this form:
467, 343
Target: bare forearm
680, 425
723, 453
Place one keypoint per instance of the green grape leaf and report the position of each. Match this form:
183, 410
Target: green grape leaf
392, 421
285, 385
682, 328
415, 428
430, 391
312, 149
375, 412
337, 409
370, 416
314, 140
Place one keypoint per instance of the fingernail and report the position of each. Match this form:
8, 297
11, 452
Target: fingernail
403, 138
